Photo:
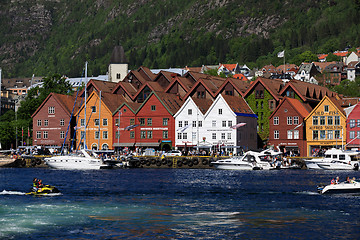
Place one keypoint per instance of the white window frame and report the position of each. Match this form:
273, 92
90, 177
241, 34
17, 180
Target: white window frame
276, 120
276, 134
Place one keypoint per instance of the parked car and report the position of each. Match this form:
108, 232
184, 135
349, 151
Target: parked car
173, 153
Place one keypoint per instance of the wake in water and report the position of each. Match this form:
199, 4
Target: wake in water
5, 192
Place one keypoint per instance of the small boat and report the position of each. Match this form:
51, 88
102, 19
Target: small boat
84, 160
339, 165
343, 187
47, 189
336, 156
251, 160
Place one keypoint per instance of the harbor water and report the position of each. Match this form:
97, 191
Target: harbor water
176, 204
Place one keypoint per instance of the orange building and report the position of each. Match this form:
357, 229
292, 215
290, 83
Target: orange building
98, 133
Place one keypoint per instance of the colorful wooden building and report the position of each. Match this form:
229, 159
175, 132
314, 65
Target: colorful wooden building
353, 128
325, 127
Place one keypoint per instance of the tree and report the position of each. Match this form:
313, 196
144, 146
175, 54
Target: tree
331, 57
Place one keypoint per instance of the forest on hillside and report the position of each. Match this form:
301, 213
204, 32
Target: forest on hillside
44, 37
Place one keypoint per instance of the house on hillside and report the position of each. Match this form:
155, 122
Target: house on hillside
353, 70
306, 71
352, 57
228, 69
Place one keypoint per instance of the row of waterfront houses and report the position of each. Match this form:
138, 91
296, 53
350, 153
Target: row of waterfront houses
140, 109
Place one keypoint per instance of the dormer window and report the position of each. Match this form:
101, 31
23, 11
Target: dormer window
118, 76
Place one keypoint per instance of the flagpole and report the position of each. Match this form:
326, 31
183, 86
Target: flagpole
284, 62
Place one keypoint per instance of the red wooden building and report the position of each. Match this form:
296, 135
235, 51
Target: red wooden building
353, 128
153, 124
287, 128
51, 121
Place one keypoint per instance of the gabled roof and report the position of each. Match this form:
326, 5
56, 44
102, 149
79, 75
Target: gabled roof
203, 104
240, 85
148, 72
118, 56
171, 102
103, 86
185, 83
240, 76
351, 110
238, 104
133, 106
301, 88
154, 86
230, 67
333, 101
341, 53
274, 86
65, 101
322, 65
287, 67
352, 64
299, 107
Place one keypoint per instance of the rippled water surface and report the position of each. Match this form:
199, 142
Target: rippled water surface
176, 204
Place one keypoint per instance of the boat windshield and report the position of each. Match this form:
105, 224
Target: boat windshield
91, 153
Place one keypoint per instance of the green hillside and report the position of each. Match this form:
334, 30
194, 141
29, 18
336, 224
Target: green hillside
47, 36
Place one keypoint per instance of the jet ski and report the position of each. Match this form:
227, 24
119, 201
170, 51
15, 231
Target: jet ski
46, 189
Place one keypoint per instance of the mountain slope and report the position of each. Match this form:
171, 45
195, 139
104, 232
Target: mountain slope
47, 36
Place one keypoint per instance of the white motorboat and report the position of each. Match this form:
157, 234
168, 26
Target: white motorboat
249, 161
334, 157
84, 160
343, 187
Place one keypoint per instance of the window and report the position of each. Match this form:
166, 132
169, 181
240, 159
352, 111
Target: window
179, 136
223, 123
289, 134
51, 110
39, 123
62, 122
132, 121
93, 109
229, 123
352, 123
358, 123
117, 135
315, 134
200, 123
322, 134
330, 120
337, 134
222, 135
315, 120
358, 135
105, 122
105, 135
132, 134
38, 134
322, 120
142, 134
330, 135
149, 134
45, 134
194, 123
82, 122
149, 121
165, 121
262, 105
184, 135
153, 107
296, 120
180, 124
189, 111
352, 134
194, 135
289, 120
142, 121
276, 120
220, 111
186, 123
97, 134
62, 134
296, 134
276, 134
213, 124
228, 135
97, 122
46, 122
326, 108
165, 134
337, 120
82, 133
118, 75
213, 136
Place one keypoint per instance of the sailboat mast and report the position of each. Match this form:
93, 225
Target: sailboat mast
86, 63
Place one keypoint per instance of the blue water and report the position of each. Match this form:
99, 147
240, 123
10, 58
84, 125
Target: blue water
176, 204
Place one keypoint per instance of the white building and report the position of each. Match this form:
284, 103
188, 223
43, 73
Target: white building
206, 124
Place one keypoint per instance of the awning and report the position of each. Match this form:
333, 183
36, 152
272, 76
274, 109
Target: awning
123, 144
149, 144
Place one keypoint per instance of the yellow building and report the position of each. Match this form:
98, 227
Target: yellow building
325, 127
99, 121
